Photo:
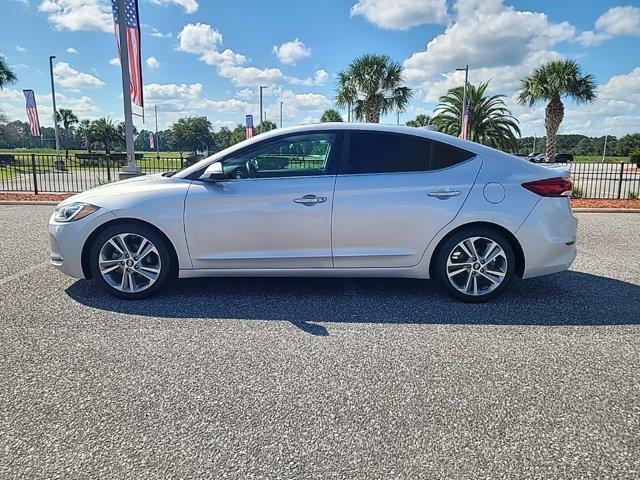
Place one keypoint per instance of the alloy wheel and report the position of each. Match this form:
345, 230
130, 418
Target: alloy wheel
129, 262
476, 266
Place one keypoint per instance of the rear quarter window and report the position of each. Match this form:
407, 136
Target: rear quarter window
443, 155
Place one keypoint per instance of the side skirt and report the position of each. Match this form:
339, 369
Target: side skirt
410, 272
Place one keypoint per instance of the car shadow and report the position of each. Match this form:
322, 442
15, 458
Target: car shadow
567, 298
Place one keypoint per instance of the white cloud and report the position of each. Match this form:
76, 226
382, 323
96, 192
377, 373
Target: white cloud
320, 78
72, 50
201, 39
78, 14
177, 98
290, 52
245, 94
401, 14
13, 105
153, 63
70, 78
620, 21
615, 22
190, 6
115, 62
158, 34
198, 38
20, 49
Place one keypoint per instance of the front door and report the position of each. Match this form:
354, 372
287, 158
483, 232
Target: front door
397, 193
273, 210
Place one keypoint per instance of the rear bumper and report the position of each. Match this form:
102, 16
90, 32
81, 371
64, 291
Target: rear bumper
548, 237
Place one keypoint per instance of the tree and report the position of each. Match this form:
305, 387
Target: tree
373, 85
192, 134
550, 83
6, 74
490, 121
420, 121
627, 144
265, 126
86, 130
223, 138
107, 133
331, 115
67, 118
239, 134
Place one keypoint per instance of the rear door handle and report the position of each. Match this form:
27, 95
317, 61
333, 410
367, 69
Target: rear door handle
310, 200
444, 194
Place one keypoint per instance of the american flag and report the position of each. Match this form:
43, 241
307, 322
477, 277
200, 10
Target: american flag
133, 45
152, 140
32, 112
464, 131
249, 127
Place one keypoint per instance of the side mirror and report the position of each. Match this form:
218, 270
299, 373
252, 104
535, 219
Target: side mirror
213, 172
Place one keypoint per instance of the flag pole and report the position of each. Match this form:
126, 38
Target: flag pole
155, 108
464, 95
130, 169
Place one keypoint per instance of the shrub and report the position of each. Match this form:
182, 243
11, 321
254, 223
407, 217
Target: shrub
7, 159
632, 195
576, 192
634, 157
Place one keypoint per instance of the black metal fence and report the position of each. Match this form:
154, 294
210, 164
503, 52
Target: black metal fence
37, 173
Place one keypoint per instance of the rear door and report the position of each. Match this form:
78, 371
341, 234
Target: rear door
393, 196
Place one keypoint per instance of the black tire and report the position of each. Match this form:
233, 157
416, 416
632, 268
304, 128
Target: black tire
167, 263
447, 249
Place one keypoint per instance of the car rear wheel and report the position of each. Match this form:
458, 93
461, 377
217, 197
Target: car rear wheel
130, 261
475, 264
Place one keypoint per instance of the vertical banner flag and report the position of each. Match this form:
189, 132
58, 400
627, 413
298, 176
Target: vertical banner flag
133, 46
464, 128
249, 127
32, 112
152, 140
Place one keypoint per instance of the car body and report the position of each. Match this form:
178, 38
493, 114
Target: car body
538, 158
563, 158
337, 200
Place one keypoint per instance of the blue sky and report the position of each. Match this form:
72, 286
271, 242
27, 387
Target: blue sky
208, 57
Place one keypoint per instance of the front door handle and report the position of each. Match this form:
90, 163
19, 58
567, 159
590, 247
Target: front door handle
444, 194
310, 200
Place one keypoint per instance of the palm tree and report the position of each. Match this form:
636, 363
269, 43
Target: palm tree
6, 74
420, 121
87, 131
107, 132
373, 85
67, 118
490, 121
331, 115
550, 82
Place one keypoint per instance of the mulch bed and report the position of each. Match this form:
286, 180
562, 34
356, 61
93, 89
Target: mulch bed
575, 203
30, 197
597, 203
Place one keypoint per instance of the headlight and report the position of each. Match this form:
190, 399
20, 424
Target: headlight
74, 211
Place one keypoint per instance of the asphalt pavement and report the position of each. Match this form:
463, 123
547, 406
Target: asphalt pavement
321, 378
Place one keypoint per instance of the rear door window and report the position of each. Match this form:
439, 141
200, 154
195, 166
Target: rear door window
373, 152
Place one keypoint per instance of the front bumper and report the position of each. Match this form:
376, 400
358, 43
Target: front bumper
68, 239
548, 237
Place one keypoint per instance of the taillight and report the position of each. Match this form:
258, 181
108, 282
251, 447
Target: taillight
550, 187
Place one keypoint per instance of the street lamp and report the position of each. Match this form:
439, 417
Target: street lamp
55, 112
281, 103
464, 94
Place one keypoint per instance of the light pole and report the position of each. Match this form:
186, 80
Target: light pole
261, 88
464, 93
281, 103
604, 152
55, 112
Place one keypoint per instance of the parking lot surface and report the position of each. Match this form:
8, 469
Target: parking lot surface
321, 378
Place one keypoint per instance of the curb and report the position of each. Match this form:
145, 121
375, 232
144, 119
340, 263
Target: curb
29, 202
606, 210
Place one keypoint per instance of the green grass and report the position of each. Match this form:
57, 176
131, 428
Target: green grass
51, 151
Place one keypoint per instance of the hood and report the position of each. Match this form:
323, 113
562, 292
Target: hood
130, 186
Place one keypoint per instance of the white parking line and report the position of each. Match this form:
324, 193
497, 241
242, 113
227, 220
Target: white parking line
23, 272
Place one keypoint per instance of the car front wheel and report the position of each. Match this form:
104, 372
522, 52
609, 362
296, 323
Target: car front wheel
130, 261
475, 264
